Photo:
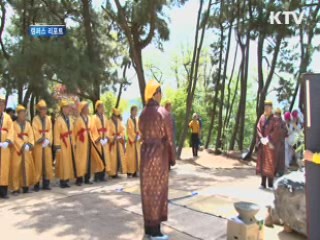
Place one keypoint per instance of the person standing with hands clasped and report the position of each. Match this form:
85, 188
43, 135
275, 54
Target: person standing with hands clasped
22, 167
42, 153
116, 135
133, 147
63, 144
85, 134
157, 152
266, 133
6, 140
100, 122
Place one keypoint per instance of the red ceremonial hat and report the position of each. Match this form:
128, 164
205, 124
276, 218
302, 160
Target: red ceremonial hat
287, 116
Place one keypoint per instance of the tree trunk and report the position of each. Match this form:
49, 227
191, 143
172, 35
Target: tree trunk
231, 101
188, 102
228, 117
32, 110
194, 72
121, 84
237, 120
264, 92
213, 113
138, 66
86, 7
219, 139
217, 83
27, 97
119, 95
243, 98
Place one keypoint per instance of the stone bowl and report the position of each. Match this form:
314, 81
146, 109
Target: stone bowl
247, 211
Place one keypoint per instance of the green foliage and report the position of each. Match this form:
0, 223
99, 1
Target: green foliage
64, 60
147, 19
109, 99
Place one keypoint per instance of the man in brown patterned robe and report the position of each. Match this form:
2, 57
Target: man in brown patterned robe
157, 152
266, 134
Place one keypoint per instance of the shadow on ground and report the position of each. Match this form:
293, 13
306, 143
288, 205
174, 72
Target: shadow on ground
83, 216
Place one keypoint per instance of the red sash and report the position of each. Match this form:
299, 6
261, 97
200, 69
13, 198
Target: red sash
43, 131
63, 137
81, 133
102, 130
20, 135
4, 129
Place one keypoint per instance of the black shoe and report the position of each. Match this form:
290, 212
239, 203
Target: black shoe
135, 175
88, 182
4, 197
16, 193
103, 180
96, 177
79, 181
4, 193
25, 190
36, 187
63, 184
46, 184
102, 177
158, 232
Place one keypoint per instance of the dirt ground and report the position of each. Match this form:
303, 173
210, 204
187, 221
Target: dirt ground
107, 211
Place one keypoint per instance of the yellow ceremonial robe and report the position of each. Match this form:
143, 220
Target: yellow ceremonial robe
22, 167
100, 124
6, 135
133, 146
116, 147
42, 129
63, 143
84, 136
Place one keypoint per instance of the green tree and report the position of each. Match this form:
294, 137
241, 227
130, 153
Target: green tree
85, 60
140, 22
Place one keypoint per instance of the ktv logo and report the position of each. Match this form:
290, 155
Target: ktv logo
286, 17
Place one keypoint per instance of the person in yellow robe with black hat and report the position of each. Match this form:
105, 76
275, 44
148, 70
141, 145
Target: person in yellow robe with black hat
22, 167
132, 155
116, 136
6, 140
63, 144
42, 152
100, 122
85, 134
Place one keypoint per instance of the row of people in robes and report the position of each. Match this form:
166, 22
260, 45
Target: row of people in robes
86, 145
272, 135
